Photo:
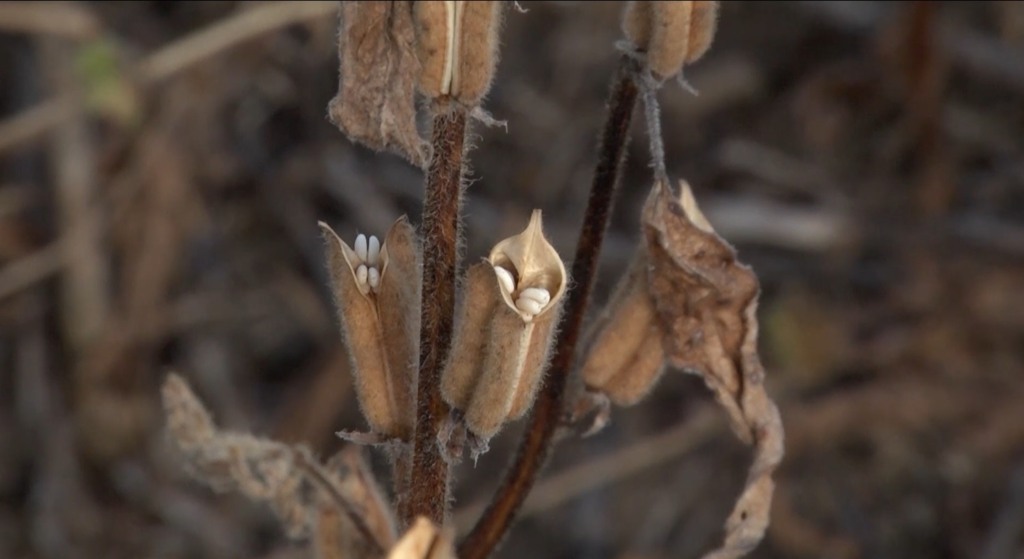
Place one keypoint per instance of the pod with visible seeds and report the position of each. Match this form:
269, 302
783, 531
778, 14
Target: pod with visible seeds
504, 331
457, 46
672, 33
377, 293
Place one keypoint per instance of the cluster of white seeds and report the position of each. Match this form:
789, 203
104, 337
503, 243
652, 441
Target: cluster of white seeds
530, 301
368, 252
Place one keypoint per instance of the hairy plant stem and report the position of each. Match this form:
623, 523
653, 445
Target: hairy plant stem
535, 446
428, 489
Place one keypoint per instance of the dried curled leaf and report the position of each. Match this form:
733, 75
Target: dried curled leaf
706, 302
299, 490
375, 104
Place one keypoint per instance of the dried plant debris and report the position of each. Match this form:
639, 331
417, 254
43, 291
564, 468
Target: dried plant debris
424, 541
377, 294
300, 491
457, 43
504, 331
375, 104
671, 33
706, 304
687, 301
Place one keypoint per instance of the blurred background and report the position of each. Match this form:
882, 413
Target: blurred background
163, 167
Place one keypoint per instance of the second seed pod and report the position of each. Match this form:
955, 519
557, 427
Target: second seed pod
503, 335
377, 294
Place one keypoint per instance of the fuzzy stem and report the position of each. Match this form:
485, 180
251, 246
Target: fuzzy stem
535, 446
428, 491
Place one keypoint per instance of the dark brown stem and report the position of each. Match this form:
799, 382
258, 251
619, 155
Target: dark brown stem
428, 491
534, 448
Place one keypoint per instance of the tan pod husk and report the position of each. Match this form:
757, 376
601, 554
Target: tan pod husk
537, 357
670, 32
381, 327
431, 19
478, 50
504, 360
636, 22
375, 104
623, 328
636, 379
501, 344
398, 308
457, 45
703, 23
472, 327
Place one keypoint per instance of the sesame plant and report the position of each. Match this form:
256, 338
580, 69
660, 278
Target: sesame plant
442, 358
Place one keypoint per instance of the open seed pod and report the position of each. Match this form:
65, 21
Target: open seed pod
377, 293
531, 263
504, 330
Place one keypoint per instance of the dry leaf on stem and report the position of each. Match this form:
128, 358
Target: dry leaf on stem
706, 302
287, 478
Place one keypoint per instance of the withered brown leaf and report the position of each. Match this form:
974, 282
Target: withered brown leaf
706, 302
375, 104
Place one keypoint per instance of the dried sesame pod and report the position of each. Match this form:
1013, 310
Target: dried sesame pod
636, 22
506, 327
670, 37
703, 21
472, 326
638, 377
672, 33
503, 366
627, 355
457, 46
377, 296
478, 50
432, 46
537, 357
533, 263
398, 297
375, 104
623, 328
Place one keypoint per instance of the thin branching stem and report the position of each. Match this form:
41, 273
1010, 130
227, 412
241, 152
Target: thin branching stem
428, 490
534, 448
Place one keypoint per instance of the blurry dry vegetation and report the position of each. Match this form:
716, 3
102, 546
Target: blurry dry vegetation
163, 168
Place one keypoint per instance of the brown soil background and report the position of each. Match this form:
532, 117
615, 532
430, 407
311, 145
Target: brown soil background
866, 158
